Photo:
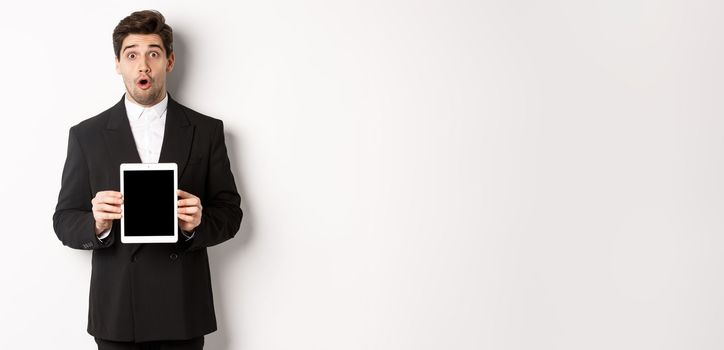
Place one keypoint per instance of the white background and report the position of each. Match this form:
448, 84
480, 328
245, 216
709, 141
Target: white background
415, 174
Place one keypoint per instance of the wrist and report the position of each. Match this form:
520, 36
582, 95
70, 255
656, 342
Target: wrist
101, 227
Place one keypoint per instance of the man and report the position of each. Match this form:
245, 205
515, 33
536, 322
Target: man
147, 296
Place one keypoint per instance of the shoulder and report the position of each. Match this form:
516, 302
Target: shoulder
197, 119
93, 125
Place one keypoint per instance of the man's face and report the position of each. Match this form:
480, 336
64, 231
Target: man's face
143, 65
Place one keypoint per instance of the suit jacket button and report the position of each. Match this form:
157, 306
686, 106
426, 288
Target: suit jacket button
173, 256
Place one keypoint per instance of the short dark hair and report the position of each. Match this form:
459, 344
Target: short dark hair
143, 22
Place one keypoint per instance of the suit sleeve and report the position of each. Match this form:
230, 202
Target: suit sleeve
221, 213
73, 220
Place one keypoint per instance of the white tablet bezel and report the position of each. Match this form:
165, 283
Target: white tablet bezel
150, 166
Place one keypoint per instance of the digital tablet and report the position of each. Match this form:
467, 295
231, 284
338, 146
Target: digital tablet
149, 203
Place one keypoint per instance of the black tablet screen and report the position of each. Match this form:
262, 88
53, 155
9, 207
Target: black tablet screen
148, 201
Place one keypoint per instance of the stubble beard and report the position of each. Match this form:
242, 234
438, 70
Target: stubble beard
146, 98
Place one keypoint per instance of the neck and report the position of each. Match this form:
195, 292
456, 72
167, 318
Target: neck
160, 98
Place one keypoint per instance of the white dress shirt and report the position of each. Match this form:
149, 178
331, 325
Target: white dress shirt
147, 126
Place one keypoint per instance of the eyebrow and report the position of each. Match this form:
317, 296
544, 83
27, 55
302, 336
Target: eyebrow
134, 45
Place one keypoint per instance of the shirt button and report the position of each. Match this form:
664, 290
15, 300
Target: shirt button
173, 256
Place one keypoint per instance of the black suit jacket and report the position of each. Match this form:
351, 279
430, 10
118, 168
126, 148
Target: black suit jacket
146, 292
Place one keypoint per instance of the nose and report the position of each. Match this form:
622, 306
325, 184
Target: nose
143, 67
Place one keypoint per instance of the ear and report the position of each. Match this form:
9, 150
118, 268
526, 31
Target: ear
118, 66
171, 60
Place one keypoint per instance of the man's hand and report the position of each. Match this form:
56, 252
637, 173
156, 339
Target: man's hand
189, 211
106, 208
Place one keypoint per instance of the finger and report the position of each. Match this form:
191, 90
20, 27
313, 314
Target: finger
186, 218
114, 194
106, 216
184, 194
107, 199
190, 202
113, 201
105, 208
188, 210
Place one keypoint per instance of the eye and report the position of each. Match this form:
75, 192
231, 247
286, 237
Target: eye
131, 56
154, 54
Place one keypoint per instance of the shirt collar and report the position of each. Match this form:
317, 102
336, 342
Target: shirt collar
135, 111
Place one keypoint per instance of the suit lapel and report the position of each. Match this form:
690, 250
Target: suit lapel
121, 146
177, 137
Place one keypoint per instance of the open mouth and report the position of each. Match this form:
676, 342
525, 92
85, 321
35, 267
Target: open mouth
144, 83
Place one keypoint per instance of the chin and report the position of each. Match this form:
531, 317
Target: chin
145, 98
